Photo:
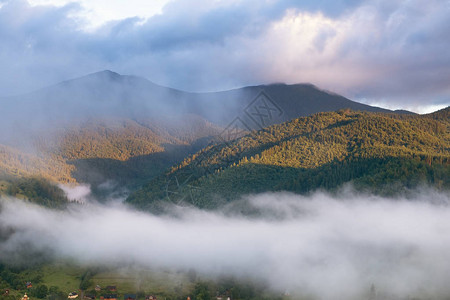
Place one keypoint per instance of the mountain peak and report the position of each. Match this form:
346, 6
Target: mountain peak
107, 74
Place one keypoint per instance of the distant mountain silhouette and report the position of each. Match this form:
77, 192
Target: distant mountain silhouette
109, 94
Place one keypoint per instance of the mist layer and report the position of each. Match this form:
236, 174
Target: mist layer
328, 247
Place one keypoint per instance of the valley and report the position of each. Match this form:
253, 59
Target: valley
163, 166
224, 150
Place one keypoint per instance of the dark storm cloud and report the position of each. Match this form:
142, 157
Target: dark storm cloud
392, 52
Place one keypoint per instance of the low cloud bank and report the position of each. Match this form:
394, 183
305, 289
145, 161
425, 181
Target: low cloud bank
79, 193
328, 247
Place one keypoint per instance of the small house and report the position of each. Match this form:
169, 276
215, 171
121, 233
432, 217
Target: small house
111, 288
110, 297
89, 297
72, 295
29, 285
25, 297
129, 297
98, 288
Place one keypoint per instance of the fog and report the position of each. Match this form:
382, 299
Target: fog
324, 246
78, 193
40, 118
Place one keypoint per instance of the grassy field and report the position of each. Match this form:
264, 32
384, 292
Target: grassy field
165, 284
128, 280
133, 280
63, 275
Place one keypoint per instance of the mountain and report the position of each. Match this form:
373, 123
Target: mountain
107, 126
105, 149
384, 153
15, 163
108, 94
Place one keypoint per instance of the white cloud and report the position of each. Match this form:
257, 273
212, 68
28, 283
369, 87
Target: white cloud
79, 193
382, 51
99, 12
420, 109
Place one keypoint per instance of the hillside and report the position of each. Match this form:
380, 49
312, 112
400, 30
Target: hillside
55, 279
386, 153
15, 163
107, 94
107, 126
96, 151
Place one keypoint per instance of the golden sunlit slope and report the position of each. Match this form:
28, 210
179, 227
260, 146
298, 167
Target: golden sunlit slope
386, 153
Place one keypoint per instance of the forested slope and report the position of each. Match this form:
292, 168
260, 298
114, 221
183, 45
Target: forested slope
385, 153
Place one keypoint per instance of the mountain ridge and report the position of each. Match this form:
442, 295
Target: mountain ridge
127, 128
385, 153
130, 86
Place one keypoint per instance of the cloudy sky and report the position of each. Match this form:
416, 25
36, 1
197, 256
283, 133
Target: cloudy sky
394, 53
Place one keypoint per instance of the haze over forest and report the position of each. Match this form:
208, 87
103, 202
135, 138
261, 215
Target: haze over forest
224, 149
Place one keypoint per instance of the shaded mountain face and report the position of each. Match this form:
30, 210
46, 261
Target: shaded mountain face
110, 95
384, 153
96, 96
